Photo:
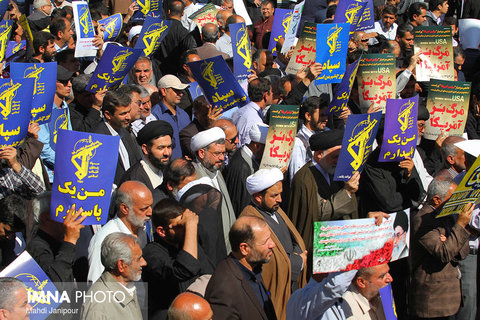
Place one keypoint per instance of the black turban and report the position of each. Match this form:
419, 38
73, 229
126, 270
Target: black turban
154, 130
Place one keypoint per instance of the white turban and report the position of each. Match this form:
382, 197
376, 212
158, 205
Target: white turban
470, 146
263, 179
258, 133
188, 186
204, 138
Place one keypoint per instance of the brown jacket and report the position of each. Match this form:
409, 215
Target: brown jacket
277, 273
435, 288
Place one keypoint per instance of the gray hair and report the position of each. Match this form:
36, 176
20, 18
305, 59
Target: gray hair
113, 249
209, 36
449, 148
37, 4
144, 92
439, 187
8, 287
41, 204
123, 197
79, 83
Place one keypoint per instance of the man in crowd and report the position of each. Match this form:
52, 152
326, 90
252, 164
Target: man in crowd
61, 29
437, 9
417, 14
43, 47
210, 36
231, 137
189, 306
453, 158
13, 299
143, 72
386, 26
224, 43
264, 25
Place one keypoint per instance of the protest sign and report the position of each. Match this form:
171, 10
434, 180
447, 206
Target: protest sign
153, 32
147, 8
5, 32
15, 47
242, 52
400, 132
195, 90
23, 22
305, 50
84, 174
469, 33
3, 7
281, 136
218, 83
58, 122
15, 104
388, 303
367, 21
447, 103
376, 80
358, 138
333, 37
112, 26
293, 27
281, 22
84, 30
113, 66
44, 88
241, 10
206, 14
435, 45
350, 11
340, 100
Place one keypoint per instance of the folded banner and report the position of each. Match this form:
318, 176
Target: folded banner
44, 88
376, 77
84, 174
388, 303
333, 37
293, 27
340, 101
15, 47
153, 32
367, 21
435, 45
351, 12
281, 22
147, 8
23, 22
3, 7
43, 296
113, 66
84, 30
195, 90
305, 50
206, 14
112, 26
447, 103
400, 133
242, 52
280, 137
358, 138
5, 31
15, 103
218, 83
345, 245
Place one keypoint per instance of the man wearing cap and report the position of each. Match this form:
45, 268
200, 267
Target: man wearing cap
155, 139
315, 196
209, 149
171, 92
243, 163
287, 268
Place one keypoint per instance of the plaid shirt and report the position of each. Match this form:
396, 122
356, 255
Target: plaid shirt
25, 183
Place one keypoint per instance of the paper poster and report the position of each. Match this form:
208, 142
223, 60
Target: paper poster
150, 8
3, 7
15, 104
281, 22
293, 28
447, 104
154, 30
44, 88
386, 295
242, 52
241, 10
23, 22
305, 50
400, 132
345, 245
206, 14
58, 122
218, 83
5, 32
84, 174
340, 100
112, 26
367, 21
113, 66
42, 293
376, 77
468, 191
435, 43
333, 37
469, 33
281, 136
195, 90
15, 47
350, 11
358, 138
84, 30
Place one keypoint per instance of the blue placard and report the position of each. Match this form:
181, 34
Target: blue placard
83, 176
281, 22
195, 90
112, 26
3, 7
358, 138
15, 104
386, 295
44, 88
59, 121
114, 64
332, 47
242, 52
86, 25
340, 100
221, 88
43, 296
367, 21
15, 47
5, 31
153, 32
349, 11
147, 8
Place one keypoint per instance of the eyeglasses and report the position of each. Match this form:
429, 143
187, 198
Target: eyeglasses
64, 82
217, 154
232, 141
364, 40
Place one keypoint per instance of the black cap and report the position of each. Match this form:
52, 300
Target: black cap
326, 139
154, 130
63, 74
423, 113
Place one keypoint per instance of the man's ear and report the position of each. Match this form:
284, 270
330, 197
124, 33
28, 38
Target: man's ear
450, 159
201, 153
436, 200
244, 248
161, 232
361, 282
107, 115
124, 209
121, 265
308, 116
144, 149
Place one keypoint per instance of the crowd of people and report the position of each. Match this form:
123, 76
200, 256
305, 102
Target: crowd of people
196, 230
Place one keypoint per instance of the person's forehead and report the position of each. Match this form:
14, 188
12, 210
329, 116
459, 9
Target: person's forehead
145, 64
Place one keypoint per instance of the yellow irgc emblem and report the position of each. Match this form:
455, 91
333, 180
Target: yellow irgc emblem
60, 123
145, 6
207, 74
3, 41
84, 21
243, 48
110, 27
332, 39
285, 24
404, 117
8, 92
83, 151
119, 61
35, 74
351, 13
359, 141
35, 290
151, 36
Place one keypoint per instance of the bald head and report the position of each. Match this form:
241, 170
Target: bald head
134, 204
222, 16
454, 157
210, 33
231, 134
243, 231
189, 306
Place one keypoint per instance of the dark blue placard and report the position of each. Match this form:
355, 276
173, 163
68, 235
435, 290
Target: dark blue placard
112, 26
83, 176
242, 52
221, 88
5, 31
15, 105
59, 121
44, 88
332, 48
281, 21
358, 138
154, 30
340, 100
386, 295
195, 90
147, 8
14, 47
367, 20
114, 64
349, 11
3, 7
87, 30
